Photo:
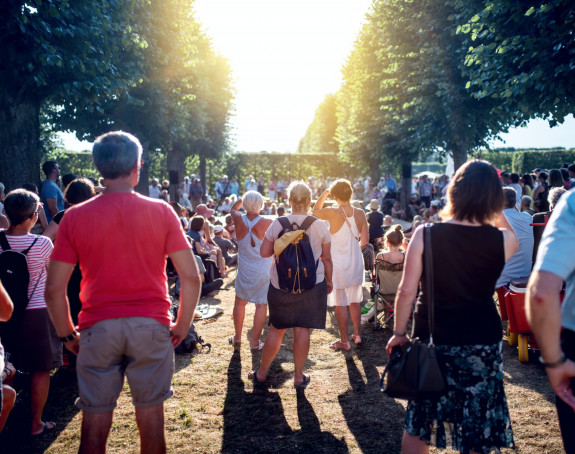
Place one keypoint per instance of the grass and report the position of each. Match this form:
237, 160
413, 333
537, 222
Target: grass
215, 407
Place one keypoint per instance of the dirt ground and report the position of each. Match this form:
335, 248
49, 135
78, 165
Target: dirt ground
216, 408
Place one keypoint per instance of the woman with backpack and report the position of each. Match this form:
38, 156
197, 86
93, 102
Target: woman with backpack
348, 227
304, 310
253, 271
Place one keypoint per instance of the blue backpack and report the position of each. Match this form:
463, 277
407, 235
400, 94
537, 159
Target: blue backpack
296, 266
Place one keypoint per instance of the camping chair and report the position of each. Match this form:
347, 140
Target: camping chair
387, 279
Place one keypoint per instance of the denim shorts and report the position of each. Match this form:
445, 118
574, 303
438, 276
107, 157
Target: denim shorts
139, 348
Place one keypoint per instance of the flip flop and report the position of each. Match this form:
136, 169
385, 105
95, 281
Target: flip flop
304, 383
339, 345
259, 347
48, 427
356, 339
253, 376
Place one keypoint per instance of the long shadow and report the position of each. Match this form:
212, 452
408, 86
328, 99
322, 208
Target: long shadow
375, 420
59, 408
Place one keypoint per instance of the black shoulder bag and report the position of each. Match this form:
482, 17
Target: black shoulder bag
413, 371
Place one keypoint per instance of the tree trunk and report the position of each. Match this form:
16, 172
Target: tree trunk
459, 154
19, 141
176, 167
202, 170
405, 192
143, 186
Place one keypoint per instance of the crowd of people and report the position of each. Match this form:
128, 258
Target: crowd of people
108, 302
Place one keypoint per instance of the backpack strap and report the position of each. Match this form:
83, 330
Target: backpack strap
25, 252
285, 223
4, 241
308, 221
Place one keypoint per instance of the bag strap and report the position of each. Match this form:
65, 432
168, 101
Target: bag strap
4, 241
285, 223
25, 252
35, 286
429, 292
347, 222
308, 221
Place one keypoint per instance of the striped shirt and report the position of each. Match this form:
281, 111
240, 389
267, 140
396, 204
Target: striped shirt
38, 259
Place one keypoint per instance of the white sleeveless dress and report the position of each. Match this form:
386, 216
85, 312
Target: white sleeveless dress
348, 267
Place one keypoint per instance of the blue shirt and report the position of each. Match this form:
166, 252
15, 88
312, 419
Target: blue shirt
50, 190
556, 252
391, 184
520, 264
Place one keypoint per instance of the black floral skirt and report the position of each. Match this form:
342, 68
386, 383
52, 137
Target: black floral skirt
473, 412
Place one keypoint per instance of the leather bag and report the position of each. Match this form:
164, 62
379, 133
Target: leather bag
413, 371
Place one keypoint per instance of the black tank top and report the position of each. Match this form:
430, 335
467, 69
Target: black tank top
467, 262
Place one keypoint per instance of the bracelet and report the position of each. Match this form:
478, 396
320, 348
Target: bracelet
395, 333
557, 363
69, 337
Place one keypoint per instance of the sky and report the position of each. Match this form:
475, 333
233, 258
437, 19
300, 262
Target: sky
286, 56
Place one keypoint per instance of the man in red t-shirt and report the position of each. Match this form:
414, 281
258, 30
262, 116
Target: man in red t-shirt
121, 240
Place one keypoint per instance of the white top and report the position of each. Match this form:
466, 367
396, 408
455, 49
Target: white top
348, 267
318, 234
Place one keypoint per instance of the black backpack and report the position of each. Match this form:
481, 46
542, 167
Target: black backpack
15, 276
190, 343
296, 266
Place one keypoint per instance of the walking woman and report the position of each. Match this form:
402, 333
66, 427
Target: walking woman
347, 226
253, 275
300, 311
470, 250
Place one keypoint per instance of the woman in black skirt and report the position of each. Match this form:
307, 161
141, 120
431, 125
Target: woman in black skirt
302, 311
469, 252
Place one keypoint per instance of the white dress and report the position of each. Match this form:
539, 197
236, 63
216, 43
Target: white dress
348, 268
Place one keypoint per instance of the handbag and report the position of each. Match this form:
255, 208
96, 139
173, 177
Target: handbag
413, 371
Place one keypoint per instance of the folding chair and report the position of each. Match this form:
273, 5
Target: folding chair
387, 279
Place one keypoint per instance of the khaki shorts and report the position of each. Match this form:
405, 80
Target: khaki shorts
139, 348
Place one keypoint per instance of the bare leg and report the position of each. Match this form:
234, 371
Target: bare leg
355, 314
221, 263
300, 351
410, 444
8, 399
95, 431
239, 315
39, 388
259, 322
342, 322
270, 350
151, 426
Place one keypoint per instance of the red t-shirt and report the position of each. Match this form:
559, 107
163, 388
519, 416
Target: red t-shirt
121, 241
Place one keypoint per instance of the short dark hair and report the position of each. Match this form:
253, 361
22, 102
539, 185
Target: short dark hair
571, 168
565, 173
67, 179
510, 197
48, 167
197, 223
20, 205
78, 191
30, 187
543, 175
555, 178
514, 178
341, 189
474, 193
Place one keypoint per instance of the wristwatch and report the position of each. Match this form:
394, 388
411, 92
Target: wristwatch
69, 337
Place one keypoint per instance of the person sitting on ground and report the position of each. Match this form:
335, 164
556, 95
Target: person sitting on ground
541, 219
387, 222
434, 212
199, 244
230, 228
396, 211
226, 206
207, 242
253, 278
417, 220
520, 264
348, 228
526, 205
182, 214
225, 246
35, 348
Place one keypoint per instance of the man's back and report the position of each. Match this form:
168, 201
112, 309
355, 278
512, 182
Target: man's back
520, 264
121, 241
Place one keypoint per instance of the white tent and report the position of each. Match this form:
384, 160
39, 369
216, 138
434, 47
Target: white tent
429, 174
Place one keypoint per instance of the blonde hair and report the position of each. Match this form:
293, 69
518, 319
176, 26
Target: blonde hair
253, 201
394, 235
299, 193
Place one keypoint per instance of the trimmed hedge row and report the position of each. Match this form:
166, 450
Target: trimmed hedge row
522, 161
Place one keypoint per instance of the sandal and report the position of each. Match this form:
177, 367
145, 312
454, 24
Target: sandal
304, 383
232, 341
339, 345
356, 339
259, 347
48, 427
253, 376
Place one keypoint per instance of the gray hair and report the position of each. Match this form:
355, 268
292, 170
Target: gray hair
116, 154
526, 200
20, 205
554, 195
2, 187
510, 195
253, 201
